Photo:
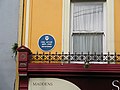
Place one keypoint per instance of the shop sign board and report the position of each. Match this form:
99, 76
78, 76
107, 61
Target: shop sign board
51, 84
74, 83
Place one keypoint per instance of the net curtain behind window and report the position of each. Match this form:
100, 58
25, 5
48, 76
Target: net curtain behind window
87, 18
87, 43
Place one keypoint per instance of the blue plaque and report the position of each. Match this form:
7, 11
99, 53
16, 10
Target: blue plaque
46, 43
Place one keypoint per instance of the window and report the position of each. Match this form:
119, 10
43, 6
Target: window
106, 11
87, 30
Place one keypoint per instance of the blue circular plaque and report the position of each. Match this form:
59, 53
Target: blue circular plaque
46, 42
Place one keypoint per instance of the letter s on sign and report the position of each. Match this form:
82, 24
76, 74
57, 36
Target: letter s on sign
113, 83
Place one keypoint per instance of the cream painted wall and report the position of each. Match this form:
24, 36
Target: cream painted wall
65, 26
109, 26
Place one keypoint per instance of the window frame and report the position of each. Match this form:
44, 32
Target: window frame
93, 32
108, 20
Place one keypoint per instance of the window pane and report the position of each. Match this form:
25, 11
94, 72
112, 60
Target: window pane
87, 17
89, 42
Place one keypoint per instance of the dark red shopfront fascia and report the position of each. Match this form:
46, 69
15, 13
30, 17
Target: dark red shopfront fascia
86, 79
96, 83
96, 77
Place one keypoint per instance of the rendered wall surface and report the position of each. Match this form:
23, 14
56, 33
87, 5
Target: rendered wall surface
45, 17
9, 14
117, 26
